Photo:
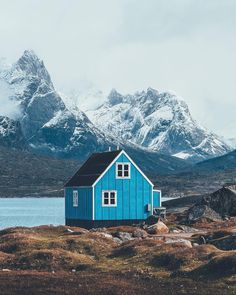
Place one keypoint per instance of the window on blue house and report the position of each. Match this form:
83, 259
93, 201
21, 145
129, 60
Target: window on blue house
123, 170
109, 198
75, 198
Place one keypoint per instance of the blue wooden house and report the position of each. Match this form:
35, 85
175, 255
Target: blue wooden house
108, 190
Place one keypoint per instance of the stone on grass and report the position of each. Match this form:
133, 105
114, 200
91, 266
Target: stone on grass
140, 233
124, 236
158, 228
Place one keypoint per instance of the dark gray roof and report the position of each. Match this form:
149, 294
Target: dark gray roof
92, 169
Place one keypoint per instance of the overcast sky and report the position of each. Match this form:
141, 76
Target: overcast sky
187, 46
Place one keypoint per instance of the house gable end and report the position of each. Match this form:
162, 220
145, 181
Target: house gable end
133, 193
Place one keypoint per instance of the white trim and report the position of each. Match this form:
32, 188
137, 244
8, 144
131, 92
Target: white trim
117, 157
159, 191
108, 167
138, 168
93, 207
152, 199
109, 196
123, 164
75, 198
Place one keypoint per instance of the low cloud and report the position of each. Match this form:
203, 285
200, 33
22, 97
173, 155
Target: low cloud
8, 106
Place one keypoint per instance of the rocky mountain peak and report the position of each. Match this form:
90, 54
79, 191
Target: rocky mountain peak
114, 97
158, 121
152, 92
30, 66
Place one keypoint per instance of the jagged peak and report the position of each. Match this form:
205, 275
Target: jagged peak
29, 57
152, 91
115, 97
31, 65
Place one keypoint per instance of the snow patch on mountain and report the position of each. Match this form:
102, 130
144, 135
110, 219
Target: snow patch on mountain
231, 142
160, 122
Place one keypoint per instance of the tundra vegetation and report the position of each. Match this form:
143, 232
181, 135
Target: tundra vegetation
184, 255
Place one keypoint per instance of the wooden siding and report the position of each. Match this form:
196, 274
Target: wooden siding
84, 211
156, 199
133, 195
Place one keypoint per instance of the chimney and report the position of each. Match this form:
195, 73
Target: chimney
109, 149
118, 147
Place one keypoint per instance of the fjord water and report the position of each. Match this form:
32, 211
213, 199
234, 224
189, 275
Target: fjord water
31, 211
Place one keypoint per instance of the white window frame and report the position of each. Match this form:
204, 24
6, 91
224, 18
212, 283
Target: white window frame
75, 198
109, 198
123, 170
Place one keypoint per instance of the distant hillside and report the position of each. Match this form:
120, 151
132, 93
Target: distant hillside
204, 177
225, 162
23, 174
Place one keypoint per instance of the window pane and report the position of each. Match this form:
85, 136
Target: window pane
106, 201
119, 167
119, 173
126, 173
75, 199
106, 195
126, 167
113, 201
112, 195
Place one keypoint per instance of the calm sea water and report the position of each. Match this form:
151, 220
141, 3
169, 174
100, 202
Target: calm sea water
32, 211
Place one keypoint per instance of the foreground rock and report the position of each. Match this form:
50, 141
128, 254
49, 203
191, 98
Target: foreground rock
158, 228
223, 201
200, 212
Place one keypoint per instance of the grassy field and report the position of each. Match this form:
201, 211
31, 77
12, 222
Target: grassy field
55, 260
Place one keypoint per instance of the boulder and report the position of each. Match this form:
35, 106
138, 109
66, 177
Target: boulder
186, 229
158, 228
123, 236
222, 201
198, 212
140, 233
184, 242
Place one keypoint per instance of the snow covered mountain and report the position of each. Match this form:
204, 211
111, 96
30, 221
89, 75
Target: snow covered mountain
160, 122
45, 122
231, 142
151, 126
11, 133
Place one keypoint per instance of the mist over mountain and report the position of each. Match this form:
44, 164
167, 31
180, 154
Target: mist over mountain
51, 125
157, 125
160, 122
48, 126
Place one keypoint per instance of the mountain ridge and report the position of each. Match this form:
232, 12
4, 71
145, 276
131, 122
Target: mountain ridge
158, 121
50, 127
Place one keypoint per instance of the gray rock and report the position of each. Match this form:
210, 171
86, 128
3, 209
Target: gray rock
124, 236
186, 229
198, 212
140, 233
117, 240
222, 201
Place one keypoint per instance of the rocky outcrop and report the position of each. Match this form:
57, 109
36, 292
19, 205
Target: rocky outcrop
158, 121
11, 133
223, 201
199, 212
